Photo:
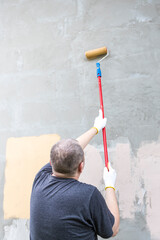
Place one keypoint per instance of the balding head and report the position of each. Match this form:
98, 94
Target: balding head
66, 155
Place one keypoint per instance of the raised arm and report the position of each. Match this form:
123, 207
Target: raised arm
99, 123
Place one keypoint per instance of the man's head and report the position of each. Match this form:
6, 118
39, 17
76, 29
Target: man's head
66, 157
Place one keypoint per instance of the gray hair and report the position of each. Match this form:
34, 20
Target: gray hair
66, 155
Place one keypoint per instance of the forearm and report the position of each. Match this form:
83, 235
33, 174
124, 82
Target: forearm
85, 138
112, 204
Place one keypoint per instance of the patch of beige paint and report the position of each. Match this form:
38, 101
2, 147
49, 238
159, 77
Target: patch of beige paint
149, 160
93, 169
121, 157
24, 157
138, 181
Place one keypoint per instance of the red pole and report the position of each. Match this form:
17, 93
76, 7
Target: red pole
104, 129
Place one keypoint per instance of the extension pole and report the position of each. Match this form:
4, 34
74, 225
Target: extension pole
102, 108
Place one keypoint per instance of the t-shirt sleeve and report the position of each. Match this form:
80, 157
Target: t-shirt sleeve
45, 169
102, 218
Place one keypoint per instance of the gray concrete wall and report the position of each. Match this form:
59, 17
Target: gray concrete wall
47, 86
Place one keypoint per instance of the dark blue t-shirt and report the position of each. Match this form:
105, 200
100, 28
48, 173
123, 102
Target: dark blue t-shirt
66, 209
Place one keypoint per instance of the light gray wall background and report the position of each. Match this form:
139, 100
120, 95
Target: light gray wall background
47, 85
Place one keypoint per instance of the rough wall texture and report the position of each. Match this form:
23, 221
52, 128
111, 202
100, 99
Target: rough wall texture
47, 86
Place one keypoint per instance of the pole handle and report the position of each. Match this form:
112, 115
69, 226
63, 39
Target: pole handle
102, 108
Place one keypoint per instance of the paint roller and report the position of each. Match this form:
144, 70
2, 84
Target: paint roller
92, 54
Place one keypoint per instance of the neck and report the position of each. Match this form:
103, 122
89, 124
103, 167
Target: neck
61, 175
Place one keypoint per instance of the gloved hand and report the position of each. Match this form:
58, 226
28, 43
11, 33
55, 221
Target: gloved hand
109, 177
100, 122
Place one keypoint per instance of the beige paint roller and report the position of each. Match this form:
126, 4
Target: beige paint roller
91, 54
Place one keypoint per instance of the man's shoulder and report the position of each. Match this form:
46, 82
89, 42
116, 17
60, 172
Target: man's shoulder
91, 191
45, 170
87, 188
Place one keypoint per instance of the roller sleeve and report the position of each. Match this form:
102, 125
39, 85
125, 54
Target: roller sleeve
96, 52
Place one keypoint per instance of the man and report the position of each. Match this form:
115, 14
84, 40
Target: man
62, 208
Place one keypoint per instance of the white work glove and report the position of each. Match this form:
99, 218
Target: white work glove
100, 122
109, 177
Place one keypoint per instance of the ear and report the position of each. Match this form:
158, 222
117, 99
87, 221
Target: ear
81, 166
